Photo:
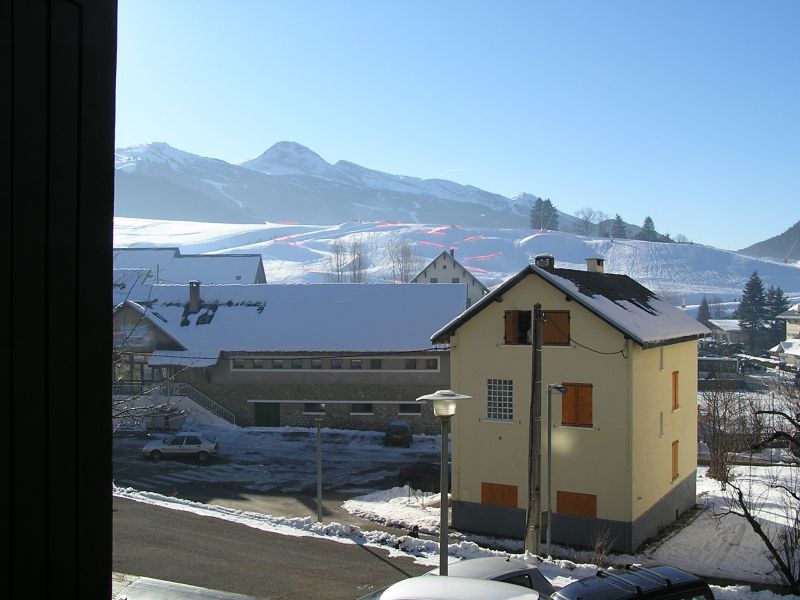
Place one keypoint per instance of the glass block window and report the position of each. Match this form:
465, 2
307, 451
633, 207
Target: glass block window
500, 399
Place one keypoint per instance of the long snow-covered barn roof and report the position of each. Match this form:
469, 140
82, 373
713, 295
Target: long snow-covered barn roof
168, 265
618, 300
304, 317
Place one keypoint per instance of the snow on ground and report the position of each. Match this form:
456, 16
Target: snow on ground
295, 253
725, 549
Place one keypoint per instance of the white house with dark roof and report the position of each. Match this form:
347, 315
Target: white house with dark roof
355, 355
168, 265
623, 432
444, 268
792, 318
727, 330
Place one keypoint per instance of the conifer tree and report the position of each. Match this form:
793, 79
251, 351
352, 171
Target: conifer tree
618, 229
537, 213
648, 232
704, 312
752, 313
549, 216
776, 302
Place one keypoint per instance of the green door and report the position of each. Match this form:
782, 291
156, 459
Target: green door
268, 414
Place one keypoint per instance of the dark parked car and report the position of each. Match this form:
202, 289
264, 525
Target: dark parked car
398, 433
643, 583
422, 476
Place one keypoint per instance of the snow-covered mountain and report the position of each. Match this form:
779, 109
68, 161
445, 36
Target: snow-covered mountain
294, 253
289, 182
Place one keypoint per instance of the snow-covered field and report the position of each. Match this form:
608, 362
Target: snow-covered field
297, 253
725, 549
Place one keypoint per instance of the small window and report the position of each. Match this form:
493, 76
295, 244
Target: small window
355, 363
675, 453
238, 363
411, 363
336, 363
238, 278
297, 363
576, 405
258, 363
316, 363
410, 409
361, 409
431, 363
576, 504
434, 280
375, 363
456, 280
555, 328
500, 399
517, 327
675, 396
277, 363
314, 408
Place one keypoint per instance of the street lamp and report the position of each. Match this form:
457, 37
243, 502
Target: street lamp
560, 389
444, 407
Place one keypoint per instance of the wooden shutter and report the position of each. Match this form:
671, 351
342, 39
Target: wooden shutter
675, 453
576, 405
576, 504
555, 328
675, 381
511, 326
499, 494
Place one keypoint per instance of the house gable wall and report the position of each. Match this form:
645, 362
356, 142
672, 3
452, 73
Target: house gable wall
444, 269
585, 460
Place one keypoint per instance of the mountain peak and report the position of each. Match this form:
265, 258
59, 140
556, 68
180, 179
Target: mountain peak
290, 158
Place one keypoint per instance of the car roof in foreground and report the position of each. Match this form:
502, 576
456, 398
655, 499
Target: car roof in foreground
632, 581
455, 588
485, 567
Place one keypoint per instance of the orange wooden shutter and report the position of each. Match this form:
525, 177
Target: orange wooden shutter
569, 405
555, 329
674, 460
499, 494
584, 405
511, 317
576, 504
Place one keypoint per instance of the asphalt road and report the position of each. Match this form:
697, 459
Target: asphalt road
213, 553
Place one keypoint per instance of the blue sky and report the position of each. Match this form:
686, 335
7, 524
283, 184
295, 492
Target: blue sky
686, 111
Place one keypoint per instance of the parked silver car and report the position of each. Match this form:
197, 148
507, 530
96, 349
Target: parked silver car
451, 588
497, 568
184, 443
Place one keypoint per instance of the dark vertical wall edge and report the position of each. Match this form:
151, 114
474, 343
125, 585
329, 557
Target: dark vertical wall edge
56, 167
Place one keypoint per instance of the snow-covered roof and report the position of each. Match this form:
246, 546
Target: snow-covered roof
617, 299
304, 317
129, 283
728, 325
792, 313
168, 265
787, 347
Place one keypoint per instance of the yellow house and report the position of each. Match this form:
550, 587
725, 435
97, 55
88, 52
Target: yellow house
623, 435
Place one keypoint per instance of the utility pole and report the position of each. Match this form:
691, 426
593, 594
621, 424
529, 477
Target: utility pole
534, 515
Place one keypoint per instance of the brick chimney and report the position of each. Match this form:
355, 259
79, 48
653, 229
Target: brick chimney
194, 297
452, 251
595, 265
544, 261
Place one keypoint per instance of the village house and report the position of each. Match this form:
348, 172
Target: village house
355, 356
624, 432
727, 331
444, 268
792, 318
168, 265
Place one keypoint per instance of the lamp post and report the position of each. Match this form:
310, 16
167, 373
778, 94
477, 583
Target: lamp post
318, 422
444, 407
560, 389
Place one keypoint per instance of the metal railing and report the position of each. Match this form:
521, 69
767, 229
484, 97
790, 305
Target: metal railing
138, 388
